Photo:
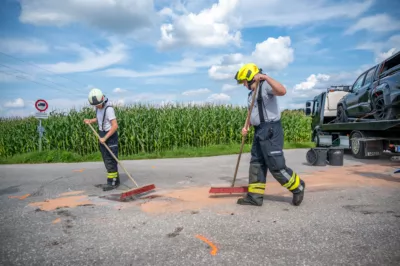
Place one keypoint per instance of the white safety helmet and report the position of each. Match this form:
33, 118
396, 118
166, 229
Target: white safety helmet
96, 97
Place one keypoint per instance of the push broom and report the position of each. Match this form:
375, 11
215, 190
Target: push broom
232, 188
130, 192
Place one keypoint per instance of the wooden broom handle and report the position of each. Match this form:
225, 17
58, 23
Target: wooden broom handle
244, 137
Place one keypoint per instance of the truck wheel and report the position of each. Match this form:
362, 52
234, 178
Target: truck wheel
380, 112
357, 147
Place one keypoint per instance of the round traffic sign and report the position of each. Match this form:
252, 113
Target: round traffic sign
41, 105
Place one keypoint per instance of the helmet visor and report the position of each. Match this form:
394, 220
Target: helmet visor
96, 102
239, 80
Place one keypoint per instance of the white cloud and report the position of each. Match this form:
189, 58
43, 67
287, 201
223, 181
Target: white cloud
316, 83
7, 76
90, 59
118, 16
23, 46
231, 59
220, 24
292, 106
150, 97
144, 97
375, 23
14, 113
161, 80
121, 72
119, 90
65, 104
230, 87
187, 65
17, 103
195, 92
382, 56
196, 61
219, 97
118, 102
382, 49
208, 28
311, 41
312, 81
293, 12
223, 72
273, 54
393, 41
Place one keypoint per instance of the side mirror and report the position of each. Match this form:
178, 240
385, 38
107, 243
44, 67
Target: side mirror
308, 111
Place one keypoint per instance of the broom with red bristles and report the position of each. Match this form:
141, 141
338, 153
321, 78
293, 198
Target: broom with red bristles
130, 192
232, 188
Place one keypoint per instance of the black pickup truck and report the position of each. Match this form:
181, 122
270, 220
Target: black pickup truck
375, 93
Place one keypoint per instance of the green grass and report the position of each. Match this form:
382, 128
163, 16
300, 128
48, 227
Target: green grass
183, 152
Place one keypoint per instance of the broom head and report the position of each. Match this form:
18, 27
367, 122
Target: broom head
229, 190
136, 191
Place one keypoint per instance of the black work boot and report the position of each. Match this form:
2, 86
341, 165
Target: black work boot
111, 184
250, 201
298, 197
108, 187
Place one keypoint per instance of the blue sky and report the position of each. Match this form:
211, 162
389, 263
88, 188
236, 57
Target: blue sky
184, 51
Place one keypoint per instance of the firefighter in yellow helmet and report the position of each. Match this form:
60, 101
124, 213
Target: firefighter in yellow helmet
267, 150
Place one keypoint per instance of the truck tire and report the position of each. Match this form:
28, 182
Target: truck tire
380, 112
357, 147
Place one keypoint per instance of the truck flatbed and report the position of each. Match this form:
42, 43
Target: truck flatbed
363, 125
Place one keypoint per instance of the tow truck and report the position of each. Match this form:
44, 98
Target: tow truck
365, 138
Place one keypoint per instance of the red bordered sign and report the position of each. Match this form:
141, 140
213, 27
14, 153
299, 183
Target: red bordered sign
41, 105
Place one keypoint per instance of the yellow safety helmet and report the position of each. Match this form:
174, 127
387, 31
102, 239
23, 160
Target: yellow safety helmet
247, 72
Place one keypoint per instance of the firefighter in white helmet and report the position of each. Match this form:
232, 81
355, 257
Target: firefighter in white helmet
107, 122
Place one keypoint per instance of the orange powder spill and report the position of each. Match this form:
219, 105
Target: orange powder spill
366, 175
19, 197
327, 179
57, 220
68, 202
180, 200
71, 193
214, 249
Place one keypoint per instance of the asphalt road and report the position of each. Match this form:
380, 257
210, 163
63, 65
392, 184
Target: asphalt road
53, 214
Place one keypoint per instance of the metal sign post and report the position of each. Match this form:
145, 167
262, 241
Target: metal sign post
41, 105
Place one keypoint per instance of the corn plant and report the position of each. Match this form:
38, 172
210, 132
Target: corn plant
143, 129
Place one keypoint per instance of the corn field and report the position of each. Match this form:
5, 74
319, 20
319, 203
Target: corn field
142, 129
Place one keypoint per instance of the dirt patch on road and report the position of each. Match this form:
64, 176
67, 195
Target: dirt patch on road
331, 178
63, 202
356, 175
180, 200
